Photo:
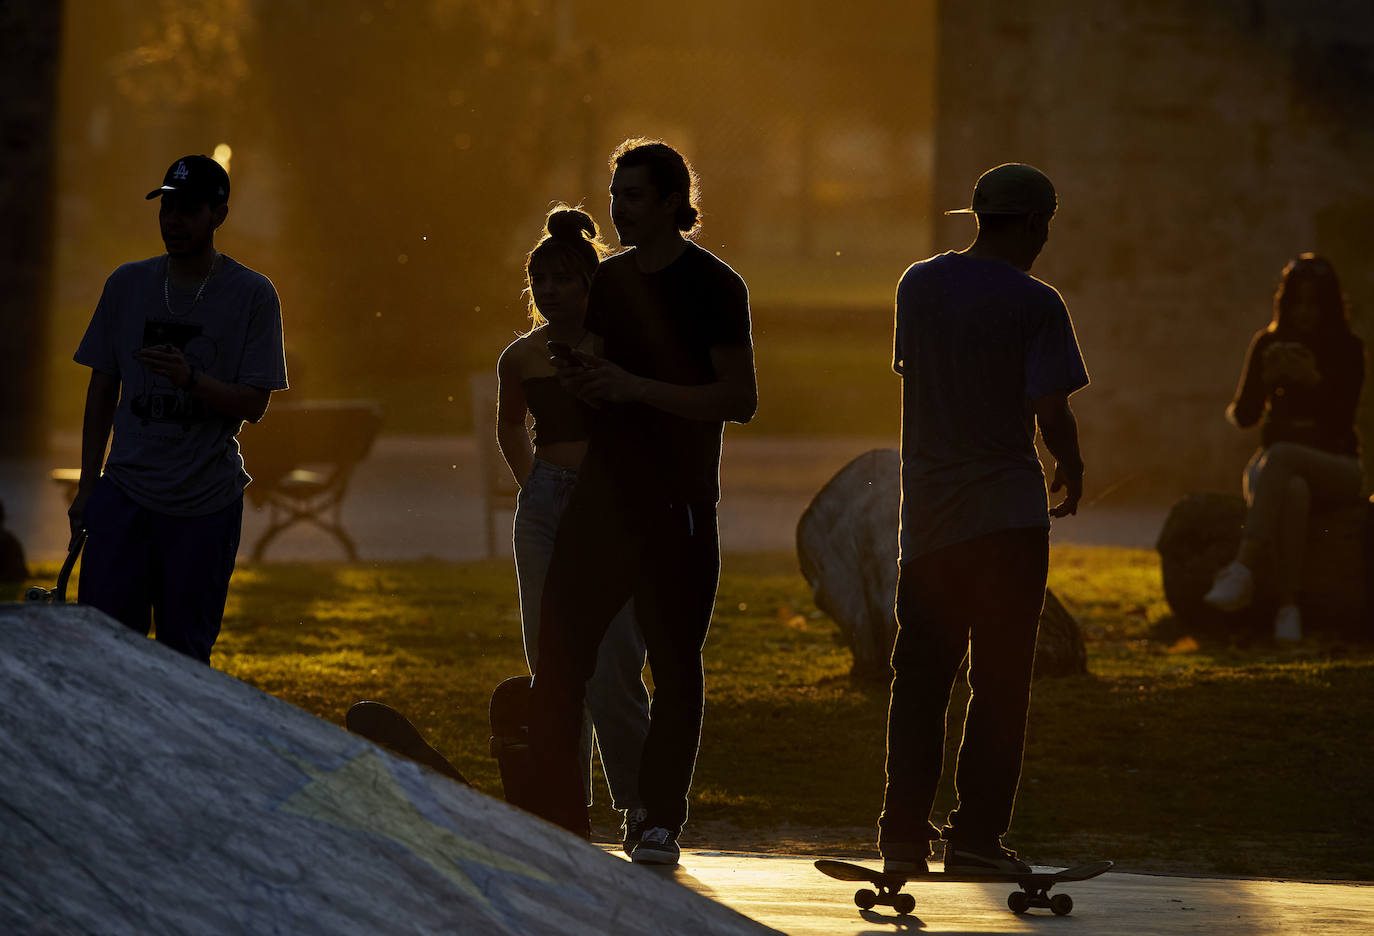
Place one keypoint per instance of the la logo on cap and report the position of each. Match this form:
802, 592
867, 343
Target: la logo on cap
181, 171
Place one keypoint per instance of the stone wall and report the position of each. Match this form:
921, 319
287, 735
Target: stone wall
1196, 148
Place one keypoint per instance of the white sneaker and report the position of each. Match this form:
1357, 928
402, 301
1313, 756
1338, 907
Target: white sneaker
1232, 589
1288, 623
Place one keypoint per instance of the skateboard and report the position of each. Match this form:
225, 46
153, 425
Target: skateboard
510, 739
380, 723
58, 594
1034, 886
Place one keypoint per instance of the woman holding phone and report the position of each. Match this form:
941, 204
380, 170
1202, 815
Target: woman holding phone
1301, 383
544, 460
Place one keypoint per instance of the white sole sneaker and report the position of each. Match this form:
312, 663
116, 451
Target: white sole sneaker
1233, 588
655, 854
1288, 623
657, 847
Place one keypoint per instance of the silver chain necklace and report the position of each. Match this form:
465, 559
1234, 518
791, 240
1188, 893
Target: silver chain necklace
166, 286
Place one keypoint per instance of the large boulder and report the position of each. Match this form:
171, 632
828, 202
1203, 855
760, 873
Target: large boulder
847, 547
144, 792
1202, 534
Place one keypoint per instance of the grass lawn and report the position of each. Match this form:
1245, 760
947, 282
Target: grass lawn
1248, 760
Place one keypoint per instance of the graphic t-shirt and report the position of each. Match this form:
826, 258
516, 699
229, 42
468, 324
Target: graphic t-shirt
663, 325
977, 342
169, 451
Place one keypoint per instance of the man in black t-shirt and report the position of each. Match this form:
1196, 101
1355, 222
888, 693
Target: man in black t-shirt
676, 363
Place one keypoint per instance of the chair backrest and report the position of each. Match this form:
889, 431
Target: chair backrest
337, 434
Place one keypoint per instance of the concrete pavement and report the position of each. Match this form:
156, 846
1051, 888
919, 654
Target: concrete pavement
417, 497
787, 894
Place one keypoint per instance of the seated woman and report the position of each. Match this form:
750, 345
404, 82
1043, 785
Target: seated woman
1301, 381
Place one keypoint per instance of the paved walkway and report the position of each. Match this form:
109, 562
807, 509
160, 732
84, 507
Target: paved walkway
417, 497
791, 896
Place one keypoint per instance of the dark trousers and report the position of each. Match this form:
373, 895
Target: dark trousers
143, 567
608, 550
984, 597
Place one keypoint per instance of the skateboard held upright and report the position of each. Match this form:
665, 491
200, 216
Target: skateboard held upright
510, 738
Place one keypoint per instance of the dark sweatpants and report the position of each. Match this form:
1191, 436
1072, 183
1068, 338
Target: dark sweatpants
983, 596
140, 567
667, 558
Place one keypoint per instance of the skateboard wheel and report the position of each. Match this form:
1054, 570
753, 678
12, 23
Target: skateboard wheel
865, 899
1019, 901
1061, 904
904, 903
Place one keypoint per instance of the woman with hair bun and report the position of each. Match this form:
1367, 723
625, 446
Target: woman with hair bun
544, 461
1301, 382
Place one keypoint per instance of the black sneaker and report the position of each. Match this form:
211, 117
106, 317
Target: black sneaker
632, 828
990, 857
909, 867
658, 846
905, 857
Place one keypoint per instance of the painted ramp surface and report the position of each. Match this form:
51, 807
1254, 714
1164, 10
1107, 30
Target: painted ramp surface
141, 792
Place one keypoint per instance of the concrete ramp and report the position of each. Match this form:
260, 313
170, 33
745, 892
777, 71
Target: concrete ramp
141, 792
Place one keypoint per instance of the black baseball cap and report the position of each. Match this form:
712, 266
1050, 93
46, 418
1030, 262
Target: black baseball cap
1012, 189
198, 176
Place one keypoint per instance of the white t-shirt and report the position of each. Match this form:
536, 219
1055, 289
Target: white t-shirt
169, 451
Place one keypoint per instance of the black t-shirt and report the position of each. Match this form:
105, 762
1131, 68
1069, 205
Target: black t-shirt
663, 325
1321, 415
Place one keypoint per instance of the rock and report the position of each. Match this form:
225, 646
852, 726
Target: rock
1202, 534
1059, 649
847, 548
143, 792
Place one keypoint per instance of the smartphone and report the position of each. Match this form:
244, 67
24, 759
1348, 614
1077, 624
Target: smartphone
564, 353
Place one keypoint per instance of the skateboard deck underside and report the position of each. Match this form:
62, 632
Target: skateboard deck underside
382, 724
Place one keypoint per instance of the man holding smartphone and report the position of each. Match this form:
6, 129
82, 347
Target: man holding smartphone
183, 348
675, 363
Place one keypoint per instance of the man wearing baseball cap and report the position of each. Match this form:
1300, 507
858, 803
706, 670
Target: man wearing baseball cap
985, 352
182, 348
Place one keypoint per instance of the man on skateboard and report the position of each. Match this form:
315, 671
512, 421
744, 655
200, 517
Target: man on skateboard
985, 352
183, 348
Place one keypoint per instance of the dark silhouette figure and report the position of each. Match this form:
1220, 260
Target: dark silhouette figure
13, 569
195, 340
676, 362
985, 351
1301, 381
559, 275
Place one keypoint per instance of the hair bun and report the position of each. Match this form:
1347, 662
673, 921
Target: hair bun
570, 224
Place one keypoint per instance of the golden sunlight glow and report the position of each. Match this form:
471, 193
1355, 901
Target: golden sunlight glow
223, 153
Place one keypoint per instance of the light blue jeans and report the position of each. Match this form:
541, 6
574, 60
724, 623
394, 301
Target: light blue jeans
617, 700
